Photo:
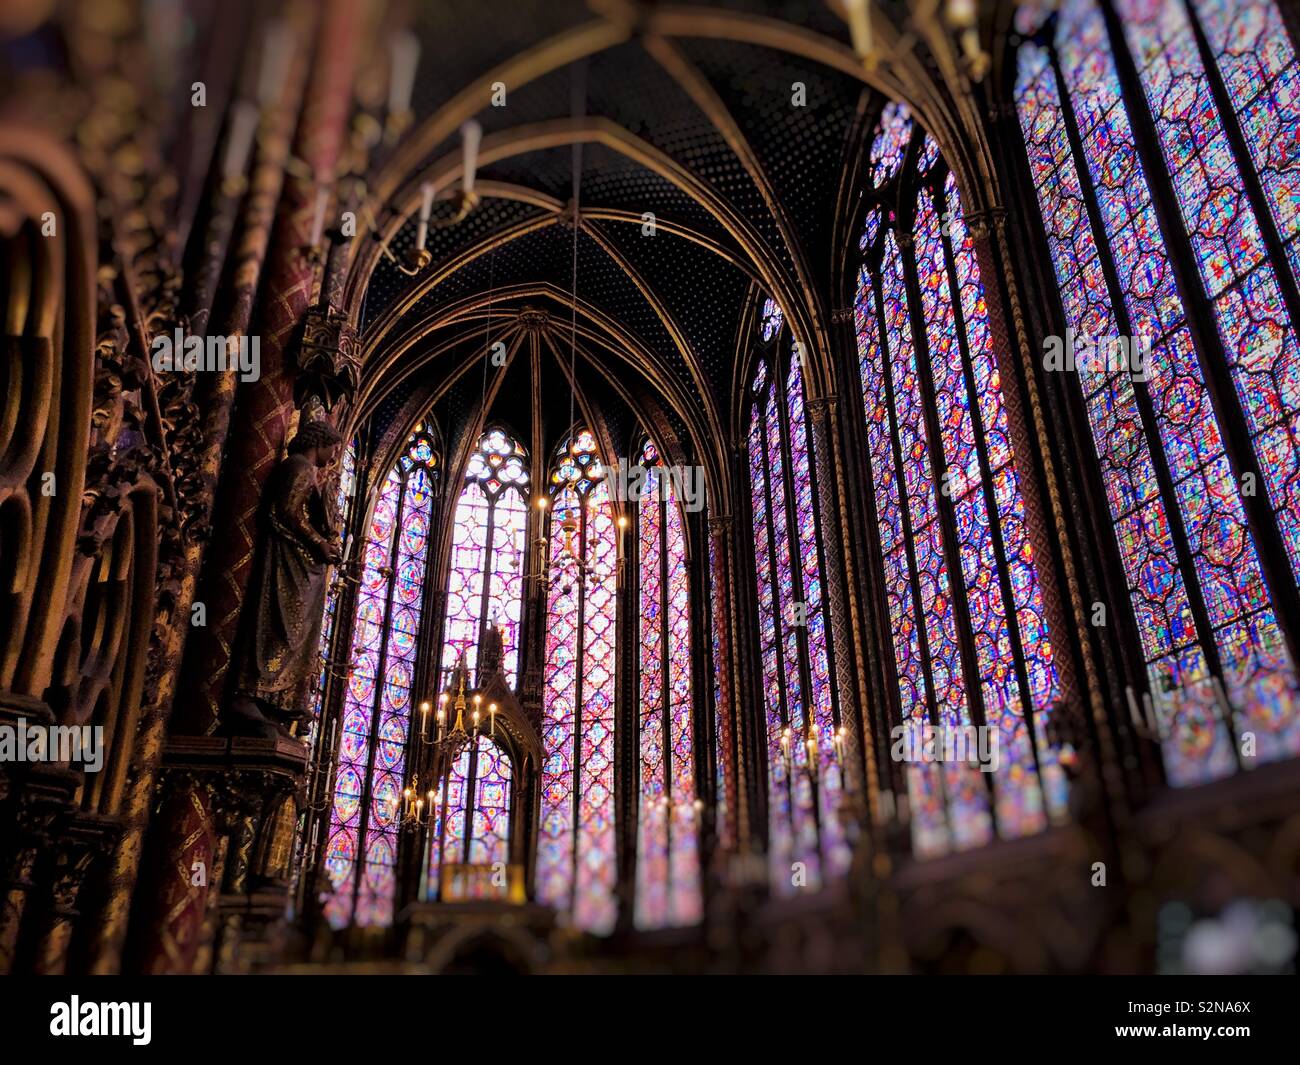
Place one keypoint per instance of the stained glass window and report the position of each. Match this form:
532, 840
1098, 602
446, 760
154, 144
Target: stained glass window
343, 514
1217, 79
771, 320
361, 847
471, 818
668, 858
806, 837
485, 582
960, 580
576, 866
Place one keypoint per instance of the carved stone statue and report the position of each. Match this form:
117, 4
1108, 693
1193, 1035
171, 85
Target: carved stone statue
277, 656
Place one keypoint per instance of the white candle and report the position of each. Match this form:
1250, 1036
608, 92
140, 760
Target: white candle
318, 220
405, 51
426, 209
239, 141
277, 47
960, 12
1134, 714
471, 136
860, 26
1153, 722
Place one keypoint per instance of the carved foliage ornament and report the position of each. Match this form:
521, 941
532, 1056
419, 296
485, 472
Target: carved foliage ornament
329, 357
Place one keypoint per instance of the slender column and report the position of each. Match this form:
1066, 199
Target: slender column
843, 620
747, 671
258, 217
178, 878
171, 929
262, 417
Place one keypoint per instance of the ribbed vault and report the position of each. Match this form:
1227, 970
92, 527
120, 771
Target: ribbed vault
685, 114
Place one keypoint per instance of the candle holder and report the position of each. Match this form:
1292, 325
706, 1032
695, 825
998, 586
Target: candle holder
468, 710
418, 258
416, 811
464, 199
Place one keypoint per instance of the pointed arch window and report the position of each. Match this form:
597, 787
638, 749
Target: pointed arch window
576, 856
361, 847
668, 857
1215, 83
804, 777
970, 642
485, 582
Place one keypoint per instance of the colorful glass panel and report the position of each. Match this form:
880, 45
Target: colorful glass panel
1257, 62
668, 869
361, 846
471, 822
771, 320
343, 514
485, 581
1164, 417
576, 867
717, 619
960, 576
806, 841
891, 141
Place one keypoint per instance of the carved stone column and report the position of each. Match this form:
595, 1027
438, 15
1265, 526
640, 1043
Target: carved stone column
263, 413
198, 426
16, 883
845, 618
176, 878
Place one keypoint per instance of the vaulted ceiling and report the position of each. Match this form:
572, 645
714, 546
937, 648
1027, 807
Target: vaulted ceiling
681, 111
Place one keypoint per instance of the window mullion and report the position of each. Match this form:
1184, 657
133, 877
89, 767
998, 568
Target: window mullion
485, 596
470, 801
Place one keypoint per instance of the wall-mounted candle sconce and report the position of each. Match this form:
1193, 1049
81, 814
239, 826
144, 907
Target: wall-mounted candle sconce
465, 199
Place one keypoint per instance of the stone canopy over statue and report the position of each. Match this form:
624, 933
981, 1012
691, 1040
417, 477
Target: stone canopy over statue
277, 655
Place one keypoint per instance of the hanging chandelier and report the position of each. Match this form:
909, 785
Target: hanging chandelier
467, 715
